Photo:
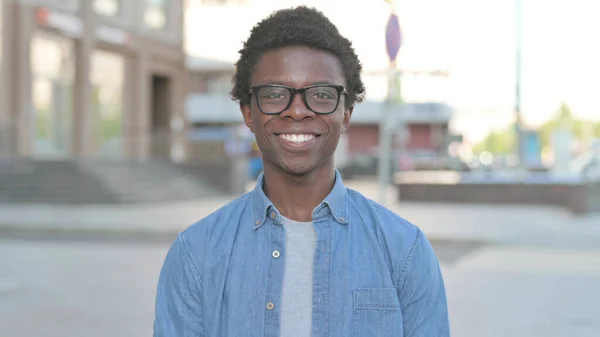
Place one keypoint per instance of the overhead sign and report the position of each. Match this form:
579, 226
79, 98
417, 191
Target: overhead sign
66, 23
72, 26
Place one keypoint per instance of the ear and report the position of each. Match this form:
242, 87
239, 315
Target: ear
247, 115
347, 116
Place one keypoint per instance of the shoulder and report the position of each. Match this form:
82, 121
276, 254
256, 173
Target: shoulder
222, 220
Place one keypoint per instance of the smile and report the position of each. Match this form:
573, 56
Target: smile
297, 138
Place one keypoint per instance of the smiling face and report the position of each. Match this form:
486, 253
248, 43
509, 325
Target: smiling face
298, 140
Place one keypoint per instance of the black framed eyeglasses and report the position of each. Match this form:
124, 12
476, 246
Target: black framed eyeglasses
322, 99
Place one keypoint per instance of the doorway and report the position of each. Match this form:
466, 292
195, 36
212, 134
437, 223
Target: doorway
160, 137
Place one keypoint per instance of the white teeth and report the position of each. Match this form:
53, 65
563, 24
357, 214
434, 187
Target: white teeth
296, 138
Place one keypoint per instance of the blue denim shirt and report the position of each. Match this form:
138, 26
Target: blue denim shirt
375, 274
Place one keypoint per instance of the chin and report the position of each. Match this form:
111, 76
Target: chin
302, 167
298, 170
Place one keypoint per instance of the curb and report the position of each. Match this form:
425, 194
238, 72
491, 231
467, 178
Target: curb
57, 233
61, 233
149, 234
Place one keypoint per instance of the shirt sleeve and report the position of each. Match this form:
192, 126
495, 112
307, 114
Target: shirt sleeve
178, 310
422, 293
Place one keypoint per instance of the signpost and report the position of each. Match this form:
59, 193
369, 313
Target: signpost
392, 37
520, 150
388, 122
392, 43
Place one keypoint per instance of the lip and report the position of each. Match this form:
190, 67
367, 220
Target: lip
295, 146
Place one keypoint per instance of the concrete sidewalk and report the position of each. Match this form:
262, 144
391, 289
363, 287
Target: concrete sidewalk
481, 223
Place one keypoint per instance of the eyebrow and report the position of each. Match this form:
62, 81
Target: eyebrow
279, 82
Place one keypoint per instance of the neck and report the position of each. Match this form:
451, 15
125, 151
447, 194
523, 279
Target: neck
296, 196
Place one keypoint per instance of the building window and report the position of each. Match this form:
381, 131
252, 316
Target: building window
107, 7
1, 31
52, 64
156, 13
5, 121
107, 79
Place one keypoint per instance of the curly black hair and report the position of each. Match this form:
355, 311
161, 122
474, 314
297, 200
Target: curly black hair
299, 26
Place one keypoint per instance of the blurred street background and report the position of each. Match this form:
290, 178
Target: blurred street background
481, 126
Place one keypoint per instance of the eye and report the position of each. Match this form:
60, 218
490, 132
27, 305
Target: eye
274, 95
323, 95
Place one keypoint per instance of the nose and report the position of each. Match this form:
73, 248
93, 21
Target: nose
298, 109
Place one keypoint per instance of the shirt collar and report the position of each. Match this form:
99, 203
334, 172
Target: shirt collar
335, 204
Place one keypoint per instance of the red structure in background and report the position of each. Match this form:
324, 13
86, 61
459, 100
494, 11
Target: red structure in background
427, 137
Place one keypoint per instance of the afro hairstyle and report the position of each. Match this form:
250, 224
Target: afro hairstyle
299, 26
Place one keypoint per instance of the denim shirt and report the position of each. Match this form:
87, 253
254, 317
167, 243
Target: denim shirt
375, 274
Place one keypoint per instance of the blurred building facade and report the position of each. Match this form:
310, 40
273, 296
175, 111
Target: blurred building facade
110, 79
211, 113
91, 78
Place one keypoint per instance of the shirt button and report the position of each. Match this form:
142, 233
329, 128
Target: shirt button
273, 215
270, 305
257, 222
276, 254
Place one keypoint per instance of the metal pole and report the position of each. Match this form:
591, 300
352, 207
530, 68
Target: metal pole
519, 117
393, 41
385, 139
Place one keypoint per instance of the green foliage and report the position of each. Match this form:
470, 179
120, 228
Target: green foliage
503, 142
498, 142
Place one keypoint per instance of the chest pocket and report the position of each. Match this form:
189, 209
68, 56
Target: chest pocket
376, 313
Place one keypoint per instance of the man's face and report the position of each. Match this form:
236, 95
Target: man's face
297, 140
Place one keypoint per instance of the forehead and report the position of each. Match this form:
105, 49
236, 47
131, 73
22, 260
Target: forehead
297, 67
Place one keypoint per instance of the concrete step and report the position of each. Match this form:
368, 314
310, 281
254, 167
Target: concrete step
96, 181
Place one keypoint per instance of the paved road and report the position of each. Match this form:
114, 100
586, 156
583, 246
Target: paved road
72, 289
524, 291
64, 288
